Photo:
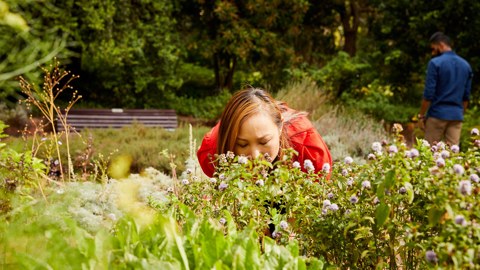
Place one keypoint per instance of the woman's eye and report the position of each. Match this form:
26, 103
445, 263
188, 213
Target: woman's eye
241, 145
264, 142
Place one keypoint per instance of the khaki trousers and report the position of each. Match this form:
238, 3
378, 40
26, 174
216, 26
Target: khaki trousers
437, 130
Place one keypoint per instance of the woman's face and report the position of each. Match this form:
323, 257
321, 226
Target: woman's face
258, 135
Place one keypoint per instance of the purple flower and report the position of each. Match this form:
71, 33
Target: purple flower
474, 177
377, 147
222, 221
242, 160
366, 184
350, 181
326, 167
170, 189
213, 180
475, 132
440, 162
330, 195
371, 156
434, 148
445, 154
221, 176
348, 160
283, 225
414, 153
393, 149
185, 182
460, 220
465, 187
431, 256
188, 171
458, 169
230, 155
425, 143
344, 172
441, 145
402, 190
354, 199
259, 183
408, 154
308, 165
326, 203
333, 207
276, 234
376, 200
477, 143
222, 186
455, 148
296, 164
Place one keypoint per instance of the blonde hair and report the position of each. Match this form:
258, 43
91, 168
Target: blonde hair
244, 104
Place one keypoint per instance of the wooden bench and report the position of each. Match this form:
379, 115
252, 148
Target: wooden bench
117, 118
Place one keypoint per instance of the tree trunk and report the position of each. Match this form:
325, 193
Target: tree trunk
350, 16
224, 67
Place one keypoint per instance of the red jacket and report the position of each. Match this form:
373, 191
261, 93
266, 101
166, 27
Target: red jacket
304, 138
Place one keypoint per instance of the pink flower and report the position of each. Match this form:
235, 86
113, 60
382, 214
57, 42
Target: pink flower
475, 132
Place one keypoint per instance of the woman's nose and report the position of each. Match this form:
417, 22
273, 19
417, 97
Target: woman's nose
255, 152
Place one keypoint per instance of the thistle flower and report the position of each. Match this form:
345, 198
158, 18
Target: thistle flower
366, 184
445, 154
434, 148
308, 165
465, 187
475, 132
276, 234
441, 145
402, 190
185, 182
222, 186
326, 167
376, 200
344, 172
259, 183
377, 147
460, 220
222, 221
213, 180
333, 207
221, 176
242, 160
296, 164
371, 156
392, 149
474, 177
283, 225
440, 162
431, 256
348, 160
455, 149
188, 171
354, 199
330, 195
458, 169
408, 154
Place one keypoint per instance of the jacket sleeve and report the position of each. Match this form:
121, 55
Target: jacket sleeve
306, 140
207, 150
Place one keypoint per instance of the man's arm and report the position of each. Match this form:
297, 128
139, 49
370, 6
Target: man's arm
423, 108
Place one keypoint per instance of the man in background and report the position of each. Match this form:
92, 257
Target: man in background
446, 93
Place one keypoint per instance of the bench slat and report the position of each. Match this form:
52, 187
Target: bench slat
118, 118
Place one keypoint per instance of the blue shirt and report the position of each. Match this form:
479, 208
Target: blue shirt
448, 84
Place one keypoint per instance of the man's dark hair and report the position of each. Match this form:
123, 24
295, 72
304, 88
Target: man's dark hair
440, 37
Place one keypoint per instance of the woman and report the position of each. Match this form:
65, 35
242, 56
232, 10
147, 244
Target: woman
254, 124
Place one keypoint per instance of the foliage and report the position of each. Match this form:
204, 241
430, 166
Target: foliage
44, 235
409, 208
209, 108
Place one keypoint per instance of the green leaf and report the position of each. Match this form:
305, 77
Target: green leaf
410, 193
434, 215
381, 213
389, 179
